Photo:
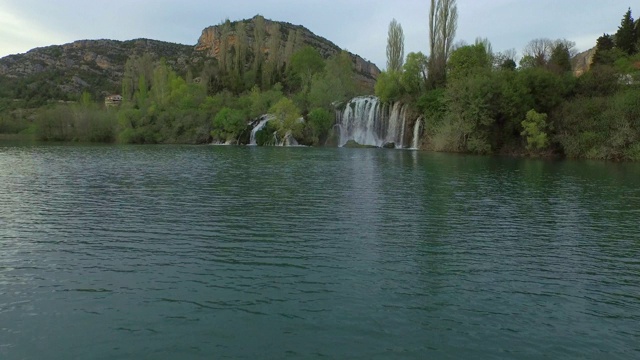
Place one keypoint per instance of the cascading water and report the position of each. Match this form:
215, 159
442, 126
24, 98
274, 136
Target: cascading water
416, 134
287, 140
263, 121
367, 121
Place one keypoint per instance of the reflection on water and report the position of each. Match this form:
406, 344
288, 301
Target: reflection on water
190, 252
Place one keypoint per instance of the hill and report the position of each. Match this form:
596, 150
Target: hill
62, 72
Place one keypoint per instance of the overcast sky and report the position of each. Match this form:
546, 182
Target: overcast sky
359, 26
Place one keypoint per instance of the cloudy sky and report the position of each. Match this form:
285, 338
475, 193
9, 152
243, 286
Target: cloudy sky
359, 26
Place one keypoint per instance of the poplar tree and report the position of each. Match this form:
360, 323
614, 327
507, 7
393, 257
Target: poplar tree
293, 39
223, 47
240, 47
258, 45
273, 61
395, 47
443, 23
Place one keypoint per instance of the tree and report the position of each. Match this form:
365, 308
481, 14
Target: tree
336, 84
395, 46
287, 118
258, 45
505, 60
414, 74
290, 47
320, 121
443, 19
261, 102
228, 124
240, 47
626, 37
560, 60
535, 126
305, 63
604, 45
469, 59
273, 62
538, 51
223, 48
135, 68
388, 87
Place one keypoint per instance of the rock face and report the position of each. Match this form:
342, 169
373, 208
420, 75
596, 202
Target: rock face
210, 40
581, 63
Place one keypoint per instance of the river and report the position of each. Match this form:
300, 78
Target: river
190, 252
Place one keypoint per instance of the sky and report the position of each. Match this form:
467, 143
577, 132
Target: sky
359, 26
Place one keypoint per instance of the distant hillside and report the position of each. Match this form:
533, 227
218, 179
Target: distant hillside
62, 72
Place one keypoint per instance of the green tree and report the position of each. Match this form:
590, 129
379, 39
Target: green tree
135, 68
320, 122
262, 101
469, 59
534, 127
305, 63
414, 74
560, 60
395, 47
388, 87
228, 124
604, 45
287, 118
626, 37
336, 84
293, 39
259, 31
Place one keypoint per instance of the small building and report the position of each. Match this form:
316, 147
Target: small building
113, 100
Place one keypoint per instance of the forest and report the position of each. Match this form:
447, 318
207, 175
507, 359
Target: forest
471, 99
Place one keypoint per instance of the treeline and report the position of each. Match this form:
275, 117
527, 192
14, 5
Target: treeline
485, 102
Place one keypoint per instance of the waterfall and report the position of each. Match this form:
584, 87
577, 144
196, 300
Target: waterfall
367, 121
264, 119
416, 134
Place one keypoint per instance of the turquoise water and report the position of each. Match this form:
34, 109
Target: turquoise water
181, 252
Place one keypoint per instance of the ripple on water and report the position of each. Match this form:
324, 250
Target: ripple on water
171, 251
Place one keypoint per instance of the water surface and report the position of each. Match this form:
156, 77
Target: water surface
170, 252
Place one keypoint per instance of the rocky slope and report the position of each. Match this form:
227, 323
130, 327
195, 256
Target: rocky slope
64, 71
93, 65
581, 63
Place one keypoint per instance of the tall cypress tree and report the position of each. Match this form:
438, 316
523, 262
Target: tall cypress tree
626, 37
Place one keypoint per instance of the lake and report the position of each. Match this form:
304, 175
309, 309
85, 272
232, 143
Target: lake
191, 252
